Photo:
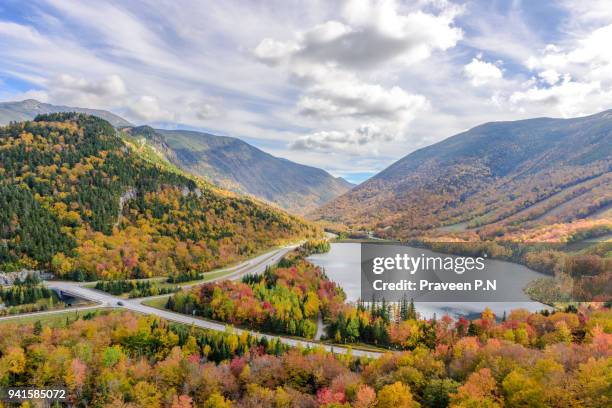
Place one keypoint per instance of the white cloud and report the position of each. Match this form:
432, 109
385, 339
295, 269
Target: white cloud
205, 111
590, 55
346, 96
480, 72
550, 76
24, 33
576, 76
334, 63
110, 87
273, 52
148, 108
590, 12
353, 141
569, 98
374, 34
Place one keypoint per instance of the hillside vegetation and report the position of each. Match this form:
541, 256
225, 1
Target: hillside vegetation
531, 180
287, 298
76, 200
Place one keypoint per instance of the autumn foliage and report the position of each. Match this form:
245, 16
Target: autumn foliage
76, 200
287, 298
120, 359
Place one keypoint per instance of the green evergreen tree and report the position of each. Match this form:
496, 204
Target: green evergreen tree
404, 308
472, 331
412, 313
37, 328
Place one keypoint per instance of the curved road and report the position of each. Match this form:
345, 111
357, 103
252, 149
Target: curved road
255, 265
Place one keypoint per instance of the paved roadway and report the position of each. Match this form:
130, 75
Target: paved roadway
255, 265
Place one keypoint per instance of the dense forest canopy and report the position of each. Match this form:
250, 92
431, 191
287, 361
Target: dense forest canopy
288, 298
125, 360
75, 199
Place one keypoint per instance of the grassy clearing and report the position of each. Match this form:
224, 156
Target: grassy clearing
208, 276
356, 346
55, 319
158, 303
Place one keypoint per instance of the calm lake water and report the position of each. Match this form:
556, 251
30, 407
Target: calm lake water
343, 262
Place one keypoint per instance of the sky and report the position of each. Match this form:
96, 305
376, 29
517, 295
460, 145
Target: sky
347, 86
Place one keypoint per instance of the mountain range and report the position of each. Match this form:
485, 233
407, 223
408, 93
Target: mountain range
498, 179
235, 165
514, 179
225, 161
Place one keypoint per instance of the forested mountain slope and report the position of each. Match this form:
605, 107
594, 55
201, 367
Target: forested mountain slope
75, 199
29, 108
510, 177
238, 166
225, 161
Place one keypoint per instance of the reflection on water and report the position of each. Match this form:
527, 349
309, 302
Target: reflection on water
342, 265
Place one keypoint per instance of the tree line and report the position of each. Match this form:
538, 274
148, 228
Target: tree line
134, 288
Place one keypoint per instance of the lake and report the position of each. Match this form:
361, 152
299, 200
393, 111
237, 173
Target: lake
343, 262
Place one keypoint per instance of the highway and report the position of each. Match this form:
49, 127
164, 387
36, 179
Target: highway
255, 265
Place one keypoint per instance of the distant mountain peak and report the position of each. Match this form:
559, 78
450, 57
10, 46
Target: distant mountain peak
27, 109
30, 103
